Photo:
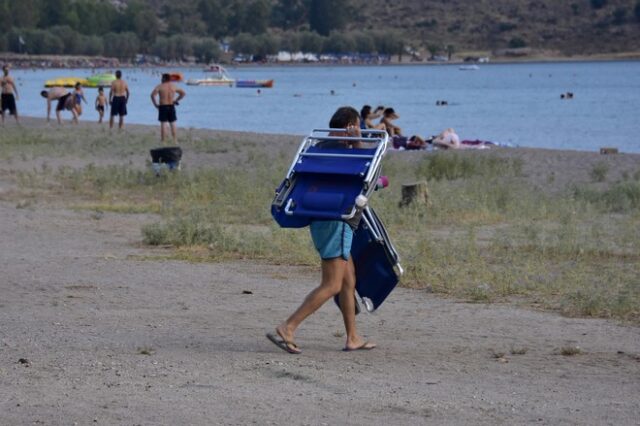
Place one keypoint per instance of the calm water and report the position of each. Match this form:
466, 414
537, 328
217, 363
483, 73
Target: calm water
510, 103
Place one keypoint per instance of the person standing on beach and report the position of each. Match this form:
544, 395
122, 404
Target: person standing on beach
65, 101
79, 98
118, 98
166, 104
101, 103
332, 239
9, 94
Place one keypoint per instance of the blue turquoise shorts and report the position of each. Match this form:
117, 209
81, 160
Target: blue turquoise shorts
332, 238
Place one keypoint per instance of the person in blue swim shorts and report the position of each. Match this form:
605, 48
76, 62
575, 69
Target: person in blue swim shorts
332, 239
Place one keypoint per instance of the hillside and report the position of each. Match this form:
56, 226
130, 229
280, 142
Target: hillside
571, 27
174, 30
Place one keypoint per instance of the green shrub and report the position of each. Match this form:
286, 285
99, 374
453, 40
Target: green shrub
599, 172
619, 16
451, 166
517, 42
623, 197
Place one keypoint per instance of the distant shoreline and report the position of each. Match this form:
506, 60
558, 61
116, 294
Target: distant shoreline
98, 62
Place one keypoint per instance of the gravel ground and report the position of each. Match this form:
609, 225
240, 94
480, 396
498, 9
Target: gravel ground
97, 329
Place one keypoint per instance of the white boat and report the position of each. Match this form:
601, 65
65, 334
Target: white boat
211, 81
220, 78
469, 67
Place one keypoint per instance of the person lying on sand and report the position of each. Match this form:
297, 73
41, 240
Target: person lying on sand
332, 239
448, 139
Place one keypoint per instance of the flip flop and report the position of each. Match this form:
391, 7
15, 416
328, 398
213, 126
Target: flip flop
286, 346
366, 346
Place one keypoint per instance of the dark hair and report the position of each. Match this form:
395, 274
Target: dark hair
166, 77
365, 111
118, 74
343, 117
44, 94
78, 84
100, 89
389, 111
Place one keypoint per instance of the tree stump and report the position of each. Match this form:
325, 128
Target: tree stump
414, 193
608, 150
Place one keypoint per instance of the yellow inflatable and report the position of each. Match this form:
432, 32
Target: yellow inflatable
65, 82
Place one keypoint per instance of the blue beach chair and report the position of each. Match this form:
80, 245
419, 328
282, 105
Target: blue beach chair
376, 260
323, 184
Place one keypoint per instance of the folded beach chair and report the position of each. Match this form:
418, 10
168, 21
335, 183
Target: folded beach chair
376, 260
324, 184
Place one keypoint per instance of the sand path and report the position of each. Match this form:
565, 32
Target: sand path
79, 304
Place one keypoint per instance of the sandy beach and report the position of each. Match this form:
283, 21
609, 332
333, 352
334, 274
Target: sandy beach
99, 328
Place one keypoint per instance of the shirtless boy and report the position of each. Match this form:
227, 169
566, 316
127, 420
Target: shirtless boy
9, 94
118, 98
101, 103
65, 101
332, 239
166, 102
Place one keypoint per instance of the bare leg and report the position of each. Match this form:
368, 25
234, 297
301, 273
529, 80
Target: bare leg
111, 120
121, 123
59, 117
174, 133
348, 308
333, 271
162, 132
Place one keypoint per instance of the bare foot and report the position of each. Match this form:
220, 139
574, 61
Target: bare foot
284, 332
358, 344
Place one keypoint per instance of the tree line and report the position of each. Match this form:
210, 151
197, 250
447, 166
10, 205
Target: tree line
174, 30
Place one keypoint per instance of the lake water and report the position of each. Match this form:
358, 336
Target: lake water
510, 103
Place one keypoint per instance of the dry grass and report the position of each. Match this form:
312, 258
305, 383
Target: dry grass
486, 236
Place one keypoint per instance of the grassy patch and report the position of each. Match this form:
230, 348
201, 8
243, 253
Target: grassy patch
487, 234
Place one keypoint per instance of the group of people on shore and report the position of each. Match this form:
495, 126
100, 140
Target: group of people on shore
164, 97
447, 139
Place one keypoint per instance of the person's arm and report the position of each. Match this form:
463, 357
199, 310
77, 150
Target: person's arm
83, 98
154, 93
181, 94
95, 104
48, 109
111, 94
15, 89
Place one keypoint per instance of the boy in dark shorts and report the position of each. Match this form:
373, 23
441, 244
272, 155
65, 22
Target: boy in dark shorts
332, 239
101, 104
166, 103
